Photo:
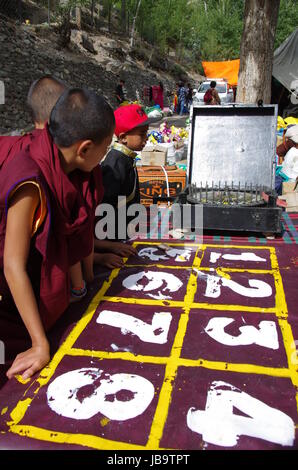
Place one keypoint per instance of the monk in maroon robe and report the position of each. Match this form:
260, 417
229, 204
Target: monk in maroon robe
48, 195
42, 96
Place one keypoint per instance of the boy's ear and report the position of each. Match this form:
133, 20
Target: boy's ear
83, 148
122, 137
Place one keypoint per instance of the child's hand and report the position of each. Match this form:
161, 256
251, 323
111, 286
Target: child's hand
30, 361
124, 250
108, 260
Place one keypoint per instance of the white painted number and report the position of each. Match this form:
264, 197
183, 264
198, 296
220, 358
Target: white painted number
257, 289
265, 335
246, 256
155, 280
179, 255
151, 254
82, 393
218, 424
157, 332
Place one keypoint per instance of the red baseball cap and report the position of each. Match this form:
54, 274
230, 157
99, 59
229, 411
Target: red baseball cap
129, 117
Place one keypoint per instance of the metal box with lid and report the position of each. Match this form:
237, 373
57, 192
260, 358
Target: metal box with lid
231, 167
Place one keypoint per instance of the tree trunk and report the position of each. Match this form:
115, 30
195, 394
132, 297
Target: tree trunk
64, 29
92, 12
132, 36
256, 51
123, 15
20, 10
110, 17
78, 17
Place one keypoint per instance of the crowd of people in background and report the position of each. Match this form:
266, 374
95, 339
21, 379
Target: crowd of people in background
154, 95
182, 98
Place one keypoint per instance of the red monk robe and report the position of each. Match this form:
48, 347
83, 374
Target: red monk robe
66, 234
11, 145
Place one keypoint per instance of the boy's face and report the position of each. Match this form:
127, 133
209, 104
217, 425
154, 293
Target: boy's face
91, 154
135, 139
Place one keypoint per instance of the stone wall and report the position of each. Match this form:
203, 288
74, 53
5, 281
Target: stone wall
27, 53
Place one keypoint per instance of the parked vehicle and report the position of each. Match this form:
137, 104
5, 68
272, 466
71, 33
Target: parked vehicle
225, 91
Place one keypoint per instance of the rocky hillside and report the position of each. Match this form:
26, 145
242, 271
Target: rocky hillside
96, 61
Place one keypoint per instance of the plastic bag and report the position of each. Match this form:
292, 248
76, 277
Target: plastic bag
154, 114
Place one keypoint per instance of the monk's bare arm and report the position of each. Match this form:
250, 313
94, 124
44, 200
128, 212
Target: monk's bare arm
88, 266
20, 217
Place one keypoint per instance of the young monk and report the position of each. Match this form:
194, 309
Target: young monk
42, 96
48, 196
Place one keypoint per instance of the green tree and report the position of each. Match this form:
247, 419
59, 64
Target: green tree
287, 20
195, 29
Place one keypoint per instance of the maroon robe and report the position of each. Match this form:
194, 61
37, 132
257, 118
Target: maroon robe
11, 145
66, 235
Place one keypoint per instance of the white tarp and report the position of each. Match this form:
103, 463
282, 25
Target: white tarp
285, 62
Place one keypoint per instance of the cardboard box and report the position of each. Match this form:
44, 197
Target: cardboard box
153, 182
154, 155
290, 195
288, 187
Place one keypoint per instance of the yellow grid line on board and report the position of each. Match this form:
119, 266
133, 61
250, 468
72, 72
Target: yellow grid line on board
182, 362
280, 300
198, 259
289, 344
45, 375
202, 268
232, 308
161, 412
152, 302
286, 330
206, 245
19, 411
202, 305
100, 443
181, 304
86, 440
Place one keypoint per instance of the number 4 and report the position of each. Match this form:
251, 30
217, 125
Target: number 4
220, 426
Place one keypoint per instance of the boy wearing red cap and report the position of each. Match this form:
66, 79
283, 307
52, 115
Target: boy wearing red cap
120, 177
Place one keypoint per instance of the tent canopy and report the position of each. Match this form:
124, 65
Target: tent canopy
285, 61
227, 69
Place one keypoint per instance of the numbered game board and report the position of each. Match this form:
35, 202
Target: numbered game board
189, 348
